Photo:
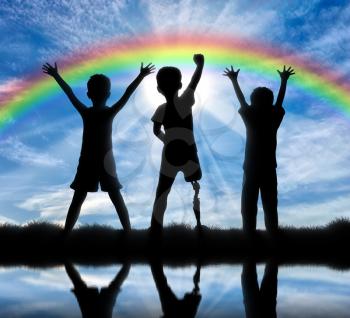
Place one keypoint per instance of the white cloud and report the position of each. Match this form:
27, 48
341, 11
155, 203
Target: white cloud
205, 16
50, 278
49, 203
15, 150
9, 86
299, 302
53, 204
7, 220
60, 22
317, 212
322, 33
312, 151
314, 274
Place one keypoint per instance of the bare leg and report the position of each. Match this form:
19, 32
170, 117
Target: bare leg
168, 300
269, 201
75, 277
121, 209
250, 290
268, 290
249, 208
74, 210
160, 202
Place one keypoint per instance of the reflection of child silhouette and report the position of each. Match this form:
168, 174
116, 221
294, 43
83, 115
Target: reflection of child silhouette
259, 303
96, 163
172, 306
94, 303
262, 121
179, 151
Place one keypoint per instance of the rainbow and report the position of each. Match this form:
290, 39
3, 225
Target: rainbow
20, 97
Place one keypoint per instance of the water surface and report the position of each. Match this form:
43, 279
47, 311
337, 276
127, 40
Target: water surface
147, 291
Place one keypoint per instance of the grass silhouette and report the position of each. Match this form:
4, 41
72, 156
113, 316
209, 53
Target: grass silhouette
42, 244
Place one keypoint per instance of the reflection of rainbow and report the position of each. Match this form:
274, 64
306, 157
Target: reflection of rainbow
22, 96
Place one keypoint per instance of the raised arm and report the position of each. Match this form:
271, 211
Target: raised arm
53, 71
233, 76
284, 78
199, 60
144, 71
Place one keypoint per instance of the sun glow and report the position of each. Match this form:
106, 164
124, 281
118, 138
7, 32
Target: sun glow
147, 98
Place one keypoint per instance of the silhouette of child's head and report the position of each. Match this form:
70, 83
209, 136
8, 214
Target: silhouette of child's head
261, 96
169, 80
99, 88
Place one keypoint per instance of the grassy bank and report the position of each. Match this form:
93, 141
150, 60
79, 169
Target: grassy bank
42, 244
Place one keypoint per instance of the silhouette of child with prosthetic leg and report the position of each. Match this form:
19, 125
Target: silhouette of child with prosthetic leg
172, 306
179, 151
96, 162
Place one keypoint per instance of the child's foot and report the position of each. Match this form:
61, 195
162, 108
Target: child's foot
155, 238
200, 227
127, 230
273, 238
252, 239
272, 233
65, 240
155, 229
156, 232
65, 234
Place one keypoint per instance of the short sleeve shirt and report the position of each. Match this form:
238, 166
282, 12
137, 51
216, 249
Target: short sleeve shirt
177, 117
97, 134
261, 129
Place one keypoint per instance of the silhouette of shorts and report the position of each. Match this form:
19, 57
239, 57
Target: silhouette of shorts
179, 156
90, 174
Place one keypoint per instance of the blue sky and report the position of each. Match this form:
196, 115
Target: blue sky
39, 154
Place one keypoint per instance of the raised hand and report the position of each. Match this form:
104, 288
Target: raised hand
231, 73
198, 59
286, 73
49, 69
148, 69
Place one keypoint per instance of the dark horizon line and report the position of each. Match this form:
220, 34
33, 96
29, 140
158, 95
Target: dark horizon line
43, 244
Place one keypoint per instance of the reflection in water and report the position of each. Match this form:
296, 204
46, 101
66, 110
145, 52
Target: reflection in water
92, 302
259, 302
186, 307
225, 291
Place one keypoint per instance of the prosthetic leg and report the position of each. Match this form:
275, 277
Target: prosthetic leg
196, 203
